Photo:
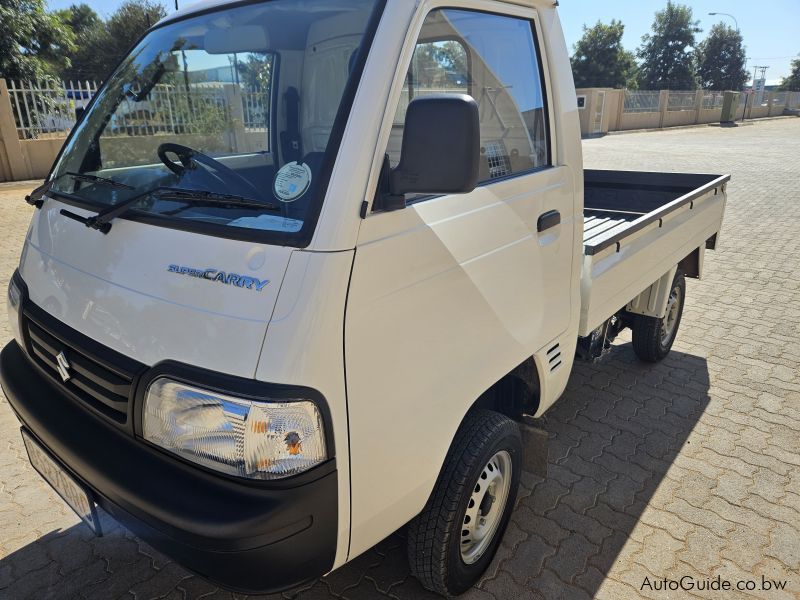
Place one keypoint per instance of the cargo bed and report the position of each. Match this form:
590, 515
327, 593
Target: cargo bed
637, 226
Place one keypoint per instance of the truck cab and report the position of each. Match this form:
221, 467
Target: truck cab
304, 272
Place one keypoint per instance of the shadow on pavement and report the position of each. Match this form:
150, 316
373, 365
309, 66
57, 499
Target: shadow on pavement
613, 436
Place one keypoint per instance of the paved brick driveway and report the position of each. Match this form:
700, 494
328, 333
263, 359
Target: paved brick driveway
690, 468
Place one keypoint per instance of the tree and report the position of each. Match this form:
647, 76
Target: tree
792, 82
33, 43
667, 52
86, 25
81, 18
256, 71
721, 59
600, 60
102, 48
442, 64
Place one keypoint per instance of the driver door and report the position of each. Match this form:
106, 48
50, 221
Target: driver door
452, 292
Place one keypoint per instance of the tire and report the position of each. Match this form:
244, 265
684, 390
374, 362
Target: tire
653, 337
486, 444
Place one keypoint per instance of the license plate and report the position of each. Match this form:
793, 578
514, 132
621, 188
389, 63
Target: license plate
72, 492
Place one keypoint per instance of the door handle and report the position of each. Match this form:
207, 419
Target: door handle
547, 220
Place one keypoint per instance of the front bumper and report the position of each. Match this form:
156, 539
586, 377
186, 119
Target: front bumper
245, 536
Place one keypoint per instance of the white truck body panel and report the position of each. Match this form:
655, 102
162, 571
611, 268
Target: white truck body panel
305, 348
118, 291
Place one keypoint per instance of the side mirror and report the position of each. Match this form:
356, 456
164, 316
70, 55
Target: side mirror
440, 152
79, 110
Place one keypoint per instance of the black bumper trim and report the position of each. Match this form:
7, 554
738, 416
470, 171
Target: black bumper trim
241, 536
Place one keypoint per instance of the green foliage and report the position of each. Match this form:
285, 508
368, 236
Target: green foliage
792, 82
600, 60
33, 43
440, 65
721, 59
82, 20
256, 70
667, 52
101, 48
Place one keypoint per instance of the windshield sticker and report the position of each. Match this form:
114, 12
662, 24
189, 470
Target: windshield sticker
242, 281
269, 223
292, 181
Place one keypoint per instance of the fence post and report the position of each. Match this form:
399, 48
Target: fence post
234, 98
12, 147
663, 102
698, 105
620, 109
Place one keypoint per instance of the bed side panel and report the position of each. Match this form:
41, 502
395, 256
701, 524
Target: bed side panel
613, 276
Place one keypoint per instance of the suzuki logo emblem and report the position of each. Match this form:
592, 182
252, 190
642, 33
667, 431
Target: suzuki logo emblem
63, 366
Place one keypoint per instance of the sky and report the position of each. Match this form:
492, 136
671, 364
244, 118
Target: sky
769, 27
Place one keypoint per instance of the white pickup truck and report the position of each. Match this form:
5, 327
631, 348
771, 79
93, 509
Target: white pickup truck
319, 290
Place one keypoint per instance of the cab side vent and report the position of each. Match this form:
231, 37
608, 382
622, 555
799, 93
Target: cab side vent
554, 357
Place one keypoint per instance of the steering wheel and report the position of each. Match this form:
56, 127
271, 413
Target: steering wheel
189, 159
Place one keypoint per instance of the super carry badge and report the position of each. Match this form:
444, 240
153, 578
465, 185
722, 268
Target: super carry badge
292, 181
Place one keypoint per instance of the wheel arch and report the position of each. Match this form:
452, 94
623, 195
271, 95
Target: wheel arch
515, 394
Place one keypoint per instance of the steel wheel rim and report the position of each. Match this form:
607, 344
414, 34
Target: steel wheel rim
485, 507
671, 317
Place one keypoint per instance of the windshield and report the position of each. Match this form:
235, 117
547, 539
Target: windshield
247, 101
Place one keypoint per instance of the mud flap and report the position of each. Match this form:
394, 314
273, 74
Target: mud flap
534, 440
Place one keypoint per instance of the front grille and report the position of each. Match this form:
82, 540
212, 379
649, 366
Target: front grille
99, 377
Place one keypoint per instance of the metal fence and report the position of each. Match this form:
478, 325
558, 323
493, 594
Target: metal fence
649, 101
681, 101
641, 102
712, 100
780, 98
255, 105
48, 108
168, 109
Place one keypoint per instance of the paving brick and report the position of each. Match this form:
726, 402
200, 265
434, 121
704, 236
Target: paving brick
504, 586
548, 586
784, 546
572, 557
688, 466
530, 555
658, 552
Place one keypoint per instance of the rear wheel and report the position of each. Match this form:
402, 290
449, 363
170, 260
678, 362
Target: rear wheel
455, 537
653, 337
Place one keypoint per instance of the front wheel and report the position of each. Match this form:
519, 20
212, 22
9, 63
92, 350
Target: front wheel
652, 337
455, 537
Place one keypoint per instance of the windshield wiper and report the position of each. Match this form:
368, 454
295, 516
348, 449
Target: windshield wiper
102, 220
36, 197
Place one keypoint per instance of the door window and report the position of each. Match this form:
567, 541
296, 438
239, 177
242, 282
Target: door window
494, 59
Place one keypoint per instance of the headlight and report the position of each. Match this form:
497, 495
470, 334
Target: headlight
259, 440
14, 300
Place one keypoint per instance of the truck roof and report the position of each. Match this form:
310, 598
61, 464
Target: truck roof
204, 5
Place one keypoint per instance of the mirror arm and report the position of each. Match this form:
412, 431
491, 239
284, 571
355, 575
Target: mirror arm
385, 200
388, 202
